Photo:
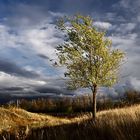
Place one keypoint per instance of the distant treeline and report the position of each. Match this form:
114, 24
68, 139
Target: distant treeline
73, 105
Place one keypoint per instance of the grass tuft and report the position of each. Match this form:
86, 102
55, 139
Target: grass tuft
113, 124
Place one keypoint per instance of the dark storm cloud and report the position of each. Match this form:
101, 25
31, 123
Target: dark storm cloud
49, 90
43, 56
57, 5
13, 69
54, 90
34, 8
33, 20
12, 89
13, 93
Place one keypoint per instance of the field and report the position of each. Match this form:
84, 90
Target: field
113, 124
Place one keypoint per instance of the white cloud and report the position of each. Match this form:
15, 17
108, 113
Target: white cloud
42, 38
102, 25
7, 39
7, 80
57, 14
126, 41
42, 41
135, 83
124, 28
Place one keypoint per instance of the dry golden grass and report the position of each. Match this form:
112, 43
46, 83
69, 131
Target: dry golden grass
116, 121
13, 117
132, 112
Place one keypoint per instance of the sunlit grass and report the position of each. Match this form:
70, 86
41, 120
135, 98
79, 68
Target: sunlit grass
114, 122
15, 117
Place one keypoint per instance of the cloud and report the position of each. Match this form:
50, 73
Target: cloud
42, 38
43, 56
129, 9
133, 83
57, 14
124, 28
103, 25
43, 41
13, 69
32, 89
127, 43
128, 4
30, 42
8, 80
6, 32
28, 39
54, 90
13, 87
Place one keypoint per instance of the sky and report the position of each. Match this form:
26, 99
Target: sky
28, 39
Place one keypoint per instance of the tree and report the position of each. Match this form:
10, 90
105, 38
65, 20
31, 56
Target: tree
88, 55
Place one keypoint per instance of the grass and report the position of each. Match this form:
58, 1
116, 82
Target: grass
70, 106
14, 118
113, 124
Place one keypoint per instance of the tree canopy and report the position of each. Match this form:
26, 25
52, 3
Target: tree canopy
87, 53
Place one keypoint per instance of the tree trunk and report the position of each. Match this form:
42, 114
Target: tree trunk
94, 91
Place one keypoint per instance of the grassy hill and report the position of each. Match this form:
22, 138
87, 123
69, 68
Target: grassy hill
118, 124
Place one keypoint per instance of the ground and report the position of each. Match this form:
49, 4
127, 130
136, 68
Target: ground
121, 123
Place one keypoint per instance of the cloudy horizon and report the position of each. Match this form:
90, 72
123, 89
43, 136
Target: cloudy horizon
28, 39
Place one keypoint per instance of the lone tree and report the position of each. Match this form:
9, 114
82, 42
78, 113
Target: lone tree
88, 55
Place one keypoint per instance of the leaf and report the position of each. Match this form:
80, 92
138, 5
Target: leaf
88, 54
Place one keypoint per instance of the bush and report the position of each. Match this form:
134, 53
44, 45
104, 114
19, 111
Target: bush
77, 104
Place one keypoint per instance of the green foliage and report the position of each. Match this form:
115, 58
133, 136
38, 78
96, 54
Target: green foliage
87, 53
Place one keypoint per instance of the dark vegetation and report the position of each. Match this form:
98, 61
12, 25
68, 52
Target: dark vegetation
119, 124
70, 106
